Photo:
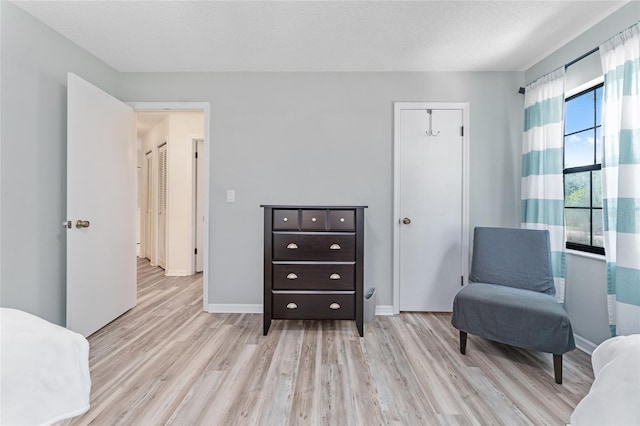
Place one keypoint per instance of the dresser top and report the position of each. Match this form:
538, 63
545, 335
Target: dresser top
315, 207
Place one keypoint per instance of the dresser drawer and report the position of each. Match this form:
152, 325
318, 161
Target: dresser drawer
285, 219
342, 220
314, 220
314, 277
314, 246
292, 305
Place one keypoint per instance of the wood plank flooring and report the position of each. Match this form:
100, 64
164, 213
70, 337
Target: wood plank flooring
167, 362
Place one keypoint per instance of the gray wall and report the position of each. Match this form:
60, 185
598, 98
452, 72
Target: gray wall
35, 61
327, 138
595, 36
277, 138
586, 285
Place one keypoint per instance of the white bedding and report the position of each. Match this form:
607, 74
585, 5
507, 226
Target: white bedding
614, 397
44, 370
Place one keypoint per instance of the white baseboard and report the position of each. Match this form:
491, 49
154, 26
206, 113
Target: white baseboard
177, 273
384, 310
584, 345
229, 308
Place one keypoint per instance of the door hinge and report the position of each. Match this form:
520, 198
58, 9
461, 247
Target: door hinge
196, 155
461, 281
196, 251
462, 131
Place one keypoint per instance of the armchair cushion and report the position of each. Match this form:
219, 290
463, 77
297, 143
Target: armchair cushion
513, 316
512, 257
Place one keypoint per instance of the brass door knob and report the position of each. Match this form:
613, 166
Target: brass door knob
406, 221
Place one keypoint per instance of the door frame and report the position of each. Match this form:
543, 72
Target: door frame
205, 108
196, 167
397, 108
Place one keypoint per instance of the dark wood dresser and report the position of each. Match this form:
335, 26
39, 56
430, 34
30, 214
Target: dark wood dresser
313, 263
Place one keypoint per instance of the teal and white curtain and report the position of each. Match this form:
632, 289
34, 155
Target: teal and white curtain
542, 181
621, 178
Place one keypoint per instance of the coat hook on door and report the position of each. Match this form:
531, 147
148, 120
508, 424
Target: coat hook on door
430, 132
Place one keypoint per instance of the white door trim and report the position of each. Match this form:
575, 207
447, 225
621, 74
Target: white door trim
397, 107
196, 171
205, 108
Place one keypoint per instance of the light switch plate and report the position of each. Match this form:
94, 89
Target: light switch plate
231, 196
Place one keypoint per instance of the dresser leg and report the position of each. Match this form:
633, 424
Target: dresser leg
267, 324
360, 327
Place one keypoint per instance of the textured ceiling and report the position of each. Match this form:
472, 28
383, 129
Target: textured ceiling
173, 36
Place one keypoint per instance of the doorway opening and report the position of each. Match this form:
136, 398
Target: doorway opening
173, 190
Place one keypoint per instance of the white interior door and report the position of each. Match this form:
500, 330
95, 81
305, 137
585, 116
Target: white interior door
148, 209
199, 219
162, 206
101, 190
431, 209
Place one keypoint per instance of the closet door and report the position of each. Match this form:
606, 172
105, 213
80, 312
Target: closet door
431, 225
148, 205
162, 206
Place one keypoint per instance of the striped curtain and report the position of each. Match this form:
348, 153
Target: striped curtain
542, 201
621, 178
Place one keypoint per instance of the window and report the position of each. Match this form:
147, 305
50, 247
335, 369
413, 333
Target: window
582, 175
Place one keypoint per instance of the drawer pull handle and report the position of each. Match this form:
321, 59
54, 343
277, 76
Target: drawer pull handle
292, 246
334, 306
334, 276
342, 219
292, 276
286, 219
313, 219
292, 306
335, 247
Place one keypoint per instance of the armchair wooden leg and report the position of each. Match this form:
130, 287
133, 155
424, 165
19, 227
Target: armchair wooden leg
557, 368
463, 342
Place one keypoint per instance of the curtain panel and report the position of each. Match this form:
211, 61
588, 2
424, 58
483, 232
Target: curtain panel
621, 178
542, 198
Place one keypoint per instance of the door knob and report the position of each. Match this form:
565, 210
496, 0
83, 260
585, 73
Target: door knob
406, 221
82, 223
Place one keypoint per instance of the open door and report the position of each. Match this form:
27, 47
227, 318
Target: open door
101, 207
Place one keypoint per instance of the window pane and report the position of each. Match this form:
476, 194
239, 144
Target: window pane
598, 233
599, 145
577, 226
578, 149
596, 184
598, 106
579, 113
577, 189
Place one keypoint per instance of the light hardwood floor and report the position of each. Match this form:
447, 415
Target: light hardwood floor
167, 362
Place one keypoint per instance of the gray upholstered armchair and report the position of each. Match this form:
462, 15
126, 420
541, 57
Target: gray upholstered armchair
510, 295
